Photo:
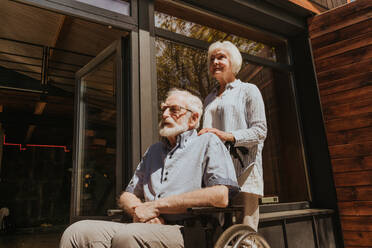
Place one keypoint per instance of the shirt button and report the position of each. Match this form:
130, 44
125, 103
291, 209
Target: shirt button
165, 179
166, 173
159, 195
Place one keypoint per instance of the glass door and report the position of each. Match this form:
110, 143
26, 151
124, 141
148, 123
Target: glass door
98, 141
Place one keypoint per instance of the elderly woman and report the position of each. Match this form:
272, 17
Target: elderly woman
235, 112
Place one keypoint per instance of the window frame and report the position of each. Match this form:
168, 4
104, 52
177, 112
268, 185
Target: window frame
285, 64
89, 12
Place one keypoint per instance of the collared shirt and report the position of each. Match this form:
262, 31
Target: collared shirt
240, 110
195, 162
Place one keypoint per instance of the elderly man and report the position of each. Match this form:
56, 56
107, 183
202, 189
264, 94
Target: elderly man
183, 170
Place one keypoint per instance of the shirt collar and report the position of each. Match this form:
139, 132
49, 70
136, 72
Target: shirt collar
233, 84
181, 139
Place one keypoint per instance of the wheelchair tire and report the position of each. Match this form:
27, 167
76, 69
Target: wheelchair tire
241, 236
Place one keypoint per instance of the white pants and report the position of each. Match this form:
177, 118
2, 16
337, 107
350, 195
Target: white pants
104, 234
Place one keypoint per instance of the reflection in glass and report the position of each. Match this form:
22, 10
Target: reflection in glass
97, 175
210, 35
282, 158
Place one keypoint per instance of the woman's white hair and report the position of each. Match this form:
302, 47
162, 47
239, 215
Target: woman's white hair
235, 55
193, 102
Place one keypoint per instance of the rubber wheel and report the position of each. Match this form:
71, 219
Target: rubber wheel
241, 236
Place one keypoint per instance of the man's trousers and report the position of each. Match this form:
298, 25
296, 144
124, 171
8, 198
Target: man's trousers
103, 234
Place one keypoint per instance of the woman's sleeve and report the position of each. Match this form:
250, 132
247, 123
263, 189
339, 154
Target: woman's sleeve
255, 119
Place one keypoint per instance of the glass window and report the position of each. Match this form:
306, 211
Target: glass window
211, 35
98, 159
184, 66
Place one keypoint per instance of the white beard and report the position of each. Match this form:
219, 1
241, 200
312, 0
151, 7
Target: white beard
172, 131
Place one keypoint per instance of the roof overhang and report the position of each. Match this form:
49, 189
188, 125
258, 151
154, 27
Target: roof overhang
282, 17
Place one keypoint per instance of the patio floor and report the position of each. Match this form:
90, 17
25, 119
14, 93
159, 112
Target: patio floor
39, 240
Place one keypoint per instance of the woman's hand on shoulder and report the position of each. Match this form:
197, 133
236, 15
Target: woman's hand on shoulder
224, 136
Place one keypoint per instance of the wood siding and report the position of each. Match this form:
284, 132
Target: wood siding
329, 4
342, 47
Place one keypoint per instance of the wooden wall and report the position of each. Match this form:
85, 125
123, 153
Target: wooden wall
329, 4
342, 47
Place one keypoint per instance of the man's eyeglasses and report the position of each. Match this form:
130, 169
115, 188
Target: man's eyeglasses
173, 109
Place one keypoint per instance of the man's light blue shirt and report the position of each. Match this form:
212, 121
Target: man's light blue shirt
194, 163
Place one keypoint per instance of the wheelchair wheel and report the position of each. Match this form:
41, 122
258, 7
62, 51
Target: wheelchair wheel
241, 236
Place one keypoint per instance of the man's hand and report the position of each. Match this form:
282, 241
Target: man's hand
145, 212
224, 136
157, 220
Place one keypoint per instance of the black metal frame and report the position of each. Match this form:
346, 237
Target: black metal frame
204, 46
262, 15
315, 141
92, 13
123, 138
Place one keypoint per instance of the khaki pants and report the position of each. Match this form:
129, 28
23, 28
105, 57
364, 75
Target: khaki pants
103, 234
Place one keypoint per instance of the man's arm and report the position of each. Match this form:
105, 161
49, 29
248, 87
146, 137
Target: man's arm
128, 202
215, 196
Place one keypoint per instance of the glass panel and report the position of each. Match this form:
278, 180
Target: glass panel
282, 158
181, 66
283, 162
98, 155
118, 6
211, 35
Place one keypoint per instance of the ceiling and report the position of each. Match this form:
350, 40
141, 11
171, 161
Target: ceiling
26, 35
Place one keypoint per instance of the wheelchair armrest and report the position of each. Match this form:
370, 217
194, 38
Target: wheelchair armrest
113, 212
119, 215
213, 210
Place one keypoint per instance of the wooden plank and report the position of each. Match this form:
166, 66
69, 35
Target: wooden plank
344, 71
351, 150
351, 82
359, 238
340, 3
321, 2
359, 135
342, 34
352, 122
347, 96
352, 164
357, 41
359, 193
358, 17
337, 16
317, 9
358, 208
363, 16
330, 4
346, 58
347, 109
358, 178
356, 223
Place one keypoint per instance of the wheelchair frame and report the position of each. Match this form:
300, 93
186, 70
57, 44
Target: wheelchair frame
233, 235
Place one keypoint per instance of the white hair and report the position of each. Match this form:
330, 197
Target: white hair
193, 102
235, 55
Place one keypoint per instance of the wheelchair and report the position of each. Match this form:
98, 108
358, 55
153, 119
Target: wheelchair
216, 232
